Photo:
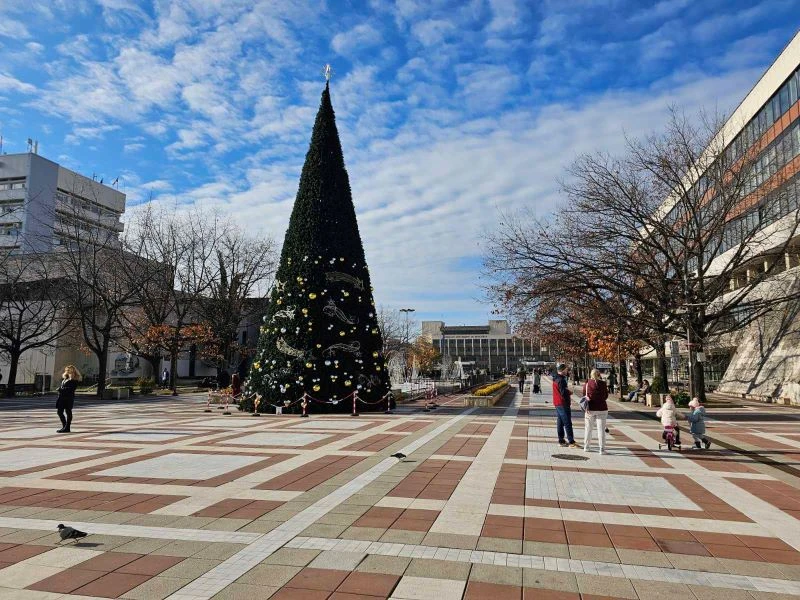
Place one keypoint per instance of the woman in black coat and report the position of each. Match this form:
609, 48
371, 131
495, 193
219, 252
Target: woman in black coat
66, 396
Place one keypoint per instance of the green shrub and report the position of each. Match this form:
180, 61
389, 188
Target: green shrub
681, 399
146, 385
656, 386
247, 403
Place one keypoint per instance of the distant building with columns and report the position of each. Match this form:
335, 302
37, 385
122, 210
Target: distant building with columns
491, 346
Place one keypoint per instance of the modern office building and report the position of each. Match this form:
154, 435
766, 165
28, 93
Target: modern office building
761, 359
43, 205
491, 346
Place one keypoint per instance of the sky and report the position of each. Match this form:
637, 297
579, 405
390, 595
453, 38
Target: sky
450, 113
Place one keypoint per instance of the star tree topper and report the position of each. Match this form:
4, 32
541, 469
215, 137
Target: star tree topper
328, 72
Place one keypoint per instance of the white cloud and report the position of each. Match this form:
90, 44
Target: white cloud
12, 28
89, 133
9, 83
356, 39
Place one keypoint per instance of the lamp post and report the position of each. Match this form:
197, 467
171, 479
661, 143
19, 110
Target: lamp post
687, 306
407, 311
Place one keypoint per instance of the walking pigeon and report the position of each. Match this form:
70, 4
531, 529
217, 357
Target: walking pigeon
69, 533
399, 455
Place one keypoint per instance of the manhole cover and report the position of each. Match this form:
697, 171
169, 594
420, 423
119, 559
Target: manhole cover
570, 457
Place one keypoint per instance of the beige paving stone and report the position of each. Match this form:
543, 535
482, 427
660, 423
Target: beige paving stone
226, 524
750, 568
157, 588
637, 557
190, 568
549, 580
24, 536
423, 588
362, 533
142, 546
271, 575
441, 569
496, 574
104, 542
661, 590
451, 540
338, 519
696, 563
546, 549
401, 536
365, 500
260, 526
152, 520
326, 531
182, 548
608, 555
190, 522
710, 593
500, 545
789, 571
389, 565
342, 561
238, 591
596, 585
772, 596
219, 551
294, 557
350, 509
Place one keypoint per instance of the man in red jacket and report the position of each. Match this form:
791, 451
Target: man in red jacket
561, 402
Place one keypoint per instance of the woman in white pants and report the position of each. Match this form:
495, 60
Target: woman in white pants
597, 411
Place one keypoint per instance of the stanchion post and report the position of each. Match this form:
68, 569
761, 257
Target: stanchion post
226, 411
304, 406
355, 409
388, 410
256, 403
208, 402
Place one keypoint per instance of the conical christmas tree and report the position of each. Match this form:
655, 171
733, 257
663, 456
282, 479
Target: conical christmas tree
320, 335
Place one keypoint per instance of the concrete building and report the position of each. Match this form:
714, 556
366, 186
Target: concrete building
491, 346
760, 359
38, 198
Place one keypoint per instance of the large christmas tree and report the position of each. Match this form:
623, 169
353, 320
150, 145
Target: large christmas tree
320, 335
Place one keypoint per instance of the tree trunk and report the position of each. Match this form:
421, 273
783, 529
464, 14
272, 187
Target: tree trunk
11, 384
661, 365
154, 360
173, 366
102, 368
698, 374
638, 362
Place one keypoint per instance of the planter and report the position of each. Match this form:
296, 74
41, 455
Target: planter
653, 399
116, 394
485, 401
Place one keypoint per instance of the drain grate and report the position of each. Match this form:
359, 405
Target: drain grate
570, 456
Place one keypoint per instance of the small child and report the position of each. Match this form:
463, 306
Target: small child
698, 421
669, 418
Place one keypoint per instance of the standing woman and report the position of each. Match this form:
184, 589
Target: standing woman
597, 411
66, 396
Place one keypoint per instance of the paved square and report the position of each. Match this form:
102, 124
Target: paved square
27, 458
277, 438
319, 508
177, 465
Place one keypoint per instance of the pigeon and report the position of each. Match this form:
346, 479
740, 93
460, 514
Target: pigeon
399, 455
68, 533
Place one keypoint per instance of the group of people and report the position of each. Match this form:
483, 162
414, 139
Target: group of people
595, 411
522, 375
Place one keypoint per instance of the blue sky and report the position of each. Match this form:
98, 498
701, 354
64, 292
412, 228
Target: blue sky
449, 112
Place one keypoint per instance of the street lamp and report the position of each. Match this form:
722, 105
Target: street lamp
407, 311
687, 306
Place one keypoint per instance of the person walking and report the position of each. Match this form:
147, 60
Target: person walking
561, 402
612, 380
521, 374
697, 418
596, 413
66, 397
537, 381
165, 378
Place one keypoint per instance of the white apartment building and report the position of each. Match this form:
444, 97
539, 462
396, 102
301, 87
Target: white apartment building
39, 197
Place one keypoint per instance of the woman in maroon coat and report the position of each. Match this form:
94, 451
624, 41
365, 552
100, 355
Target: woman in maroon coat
597, 412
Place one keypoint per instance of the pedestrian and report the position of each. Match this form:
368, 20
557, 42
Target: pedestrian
669, 418
697, 418
612, 381
596, 413
561, 402
165, 378
236, 385
66, 397
224, 379
521, 374
537, 381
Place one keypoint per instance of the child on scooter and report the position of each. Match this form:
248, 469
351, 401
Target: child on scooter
669, 418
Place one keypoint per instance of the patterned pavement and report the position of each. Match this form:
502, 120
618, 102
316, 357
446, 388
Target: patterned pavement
184, 505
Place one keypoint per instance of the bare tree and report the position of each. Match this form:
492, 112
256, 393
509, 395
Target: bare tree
33, 311
243, 272
686, 230
393, 330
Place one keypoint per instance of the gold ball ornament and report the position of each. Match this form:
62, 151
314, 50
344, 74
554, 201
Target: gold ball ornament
312, 295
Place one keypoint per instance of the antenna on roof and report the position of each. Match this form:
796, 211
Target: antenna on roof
30, 145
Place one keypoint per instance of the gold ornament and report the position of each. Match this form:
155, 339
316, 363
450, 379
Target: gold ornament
312, 295
348, 383
316, 388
